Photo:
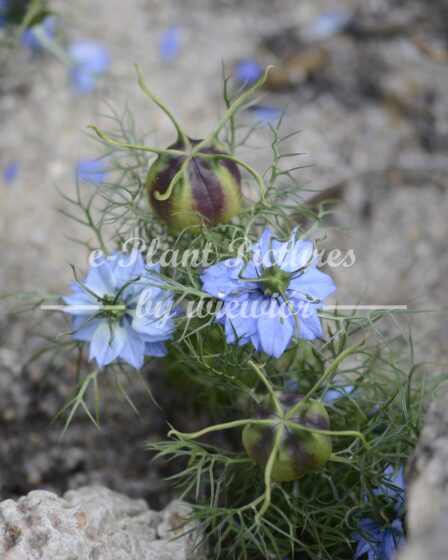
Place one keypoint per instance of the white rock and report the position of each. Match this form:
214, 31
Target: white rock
92, 523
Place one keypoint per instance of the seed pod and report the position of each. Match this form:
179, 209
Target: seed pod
300, 451
209, 187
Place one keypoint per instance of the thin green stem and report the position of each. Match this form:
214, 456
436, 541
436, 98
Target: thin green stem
224, 426
233, 109
347, 433
141, 82
328, 372
111, 141
268, 472
277, 405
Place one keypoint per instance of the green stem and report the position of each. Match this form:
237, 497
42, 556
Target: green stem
159, 151
268, 473
233, 109
141, 82
330, 370
348, 433
277, 405
224, 426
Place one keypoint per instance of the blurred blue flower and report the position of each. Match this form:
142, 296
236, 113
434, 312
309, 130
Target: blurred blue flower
328, 24
122, 310
337, 393
170, 43
248, 72
271, 297
91, 170
10, 172
90, 60
393, 487
31, 40
267, 114
378, 542
3, 13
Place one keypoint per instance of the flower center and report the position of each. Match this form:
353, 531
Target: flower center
115, 309
274, 280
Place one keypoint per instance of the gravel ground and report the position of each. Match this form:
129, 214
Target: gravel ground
372, 109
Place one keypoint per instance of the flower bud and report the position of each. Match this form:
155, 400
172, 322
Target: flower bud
300, 451
208, 187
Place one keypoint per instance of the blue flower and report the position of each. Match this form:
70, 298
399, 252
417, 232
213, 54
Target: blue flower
393, 487
375, 540
90, 60
328, 24
337, 393
170, 43
378, 542
3, 12
91, 170
248, 72
10, 172
272, 297
32, 41
122, 310
267, 114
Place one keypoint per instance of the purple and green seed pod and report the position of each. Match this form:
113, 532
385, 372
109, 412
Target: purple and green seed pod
300, 451
209, 187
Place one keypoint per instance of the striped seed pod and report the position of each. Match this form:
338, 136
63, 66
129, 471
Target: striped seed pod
208, 189
300, 451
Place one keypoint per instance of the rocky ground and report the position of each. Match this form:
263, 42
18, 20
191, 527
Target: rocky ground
371, 105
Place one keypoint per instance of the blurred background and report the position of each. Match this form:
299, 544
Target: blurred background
366, 84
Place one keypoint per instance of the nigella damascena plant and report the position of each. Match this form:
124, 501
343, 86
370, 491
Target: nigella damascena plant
300, 449
122, 310
273, 296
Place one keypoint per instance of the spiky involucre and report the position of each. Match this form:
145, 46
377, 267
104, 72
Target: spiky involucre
210, 188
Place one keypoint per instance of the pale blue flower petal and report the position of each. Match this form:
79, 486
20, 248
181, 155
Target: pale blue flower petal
328, 24
221, 279
337, 393
275, 333
170, 43
85, 329
92, 56
101, 280
295, 254
91, 170
81, 302
11, 172
107, 344
90, 60
133, 350
312, 283
267, 114
155, 349
310, 326
248, 72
